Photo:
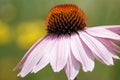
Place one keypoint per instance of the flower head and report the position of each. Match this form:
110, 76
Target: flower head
69, 45
65, 19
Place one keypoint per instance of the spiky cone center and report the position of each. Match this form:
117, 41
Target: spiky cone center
65, 19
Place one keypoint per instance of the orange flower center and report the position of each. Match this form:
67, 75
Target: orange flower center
65, 19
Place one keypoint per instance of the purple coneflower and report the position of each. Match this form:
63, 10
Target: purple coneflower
69, 45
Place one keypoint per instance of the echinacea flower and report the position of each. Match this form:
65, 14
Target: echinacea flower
69, 45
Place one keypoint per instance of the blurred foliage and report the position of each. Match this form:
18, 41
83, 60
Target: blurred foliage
22, 23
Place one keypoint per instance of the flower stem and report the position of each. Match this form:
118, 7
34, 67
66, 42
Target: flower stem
75, 78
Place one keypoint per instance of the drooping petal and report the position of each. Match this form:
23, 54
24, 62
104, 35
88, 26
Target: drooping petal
97, 48
82, 53
111, 47
72, 67
45, 59
41, 64
113, 28
60, 51
20, 64
103, 33
34, 57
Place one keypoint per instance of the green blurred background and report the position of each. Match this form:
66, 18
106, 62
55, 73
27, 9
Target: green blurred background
22, 24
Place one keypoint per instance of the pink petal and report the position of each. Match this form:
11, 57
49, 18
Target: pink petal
113, 28
20, 64
60, 51
45, 59
97, 48
72, 67
82, 53
41, 64
103, 33
34, 57
111, 47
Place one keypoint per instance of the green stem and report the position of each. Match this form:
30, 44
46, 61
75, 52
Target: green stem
75, 78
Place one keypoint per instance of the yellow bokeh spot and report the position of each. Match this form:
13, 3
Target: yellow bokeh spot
4, 33
29, 33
